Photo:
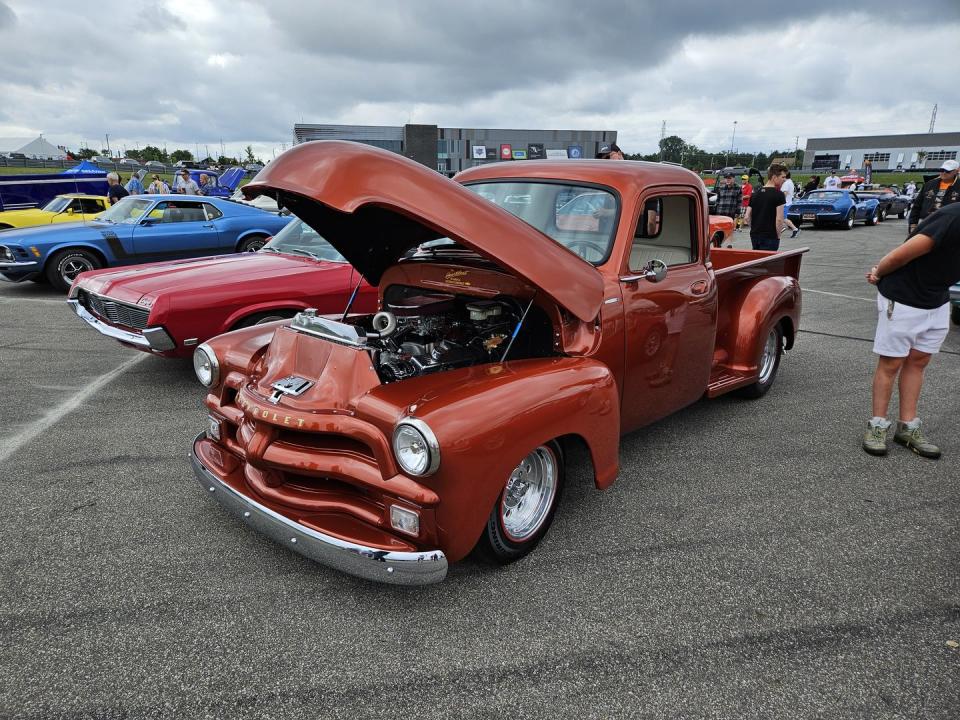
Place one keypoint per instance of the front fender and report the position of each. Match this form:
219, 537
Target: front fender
241, 312
770, 301
488, 418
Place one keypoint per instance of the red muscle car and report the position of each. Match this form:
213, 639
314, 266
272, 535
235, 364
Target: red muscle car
391, 444
168, 308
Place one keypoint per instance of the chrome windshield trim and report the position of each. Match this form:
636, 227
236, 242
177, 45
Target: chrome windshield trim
395, 568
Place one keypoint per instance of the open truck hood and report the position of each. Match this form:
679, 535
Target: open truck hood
373, 206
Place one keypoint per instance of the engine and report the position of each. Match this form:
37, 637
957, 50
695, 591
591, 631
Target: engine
419, 333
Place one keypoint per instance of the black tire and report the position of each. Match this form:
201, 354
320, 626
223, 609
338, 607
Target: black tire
884, 213
873, 219
264, 317
902, 214
955, 314
498, 543
851, 219
64, 266
40, 280
4, 226
768, 365
252, 243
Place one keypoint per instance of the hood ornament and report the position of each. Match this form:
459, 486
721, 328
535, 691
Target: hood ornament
291, 385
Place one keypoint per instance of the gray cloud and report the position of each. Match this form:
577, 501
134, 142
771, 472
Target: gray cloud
187, 71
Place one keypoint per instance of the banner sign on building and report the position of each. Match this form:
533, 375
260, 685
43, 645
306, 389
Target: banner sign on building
560, 154
479, 152
506, 152
519, 154
575, 151
867, 171
535, 151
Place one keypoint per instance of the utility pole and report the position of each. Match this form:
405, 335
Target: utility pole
107, 135
196, 146
733, 137
663, 134
796, 149
933, 118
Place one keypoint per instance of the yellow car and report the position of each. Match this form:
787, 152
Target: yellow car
63, 208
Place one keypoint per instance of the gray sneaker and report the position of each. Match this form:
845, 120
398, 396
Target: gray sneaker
915, 440
875, 439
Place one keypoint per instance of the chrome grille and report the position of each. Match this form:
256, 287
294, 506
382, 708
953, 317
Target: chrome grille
118, 313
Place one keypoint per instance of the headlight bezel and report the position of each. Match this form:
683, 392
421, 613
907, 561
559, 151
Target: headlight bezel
206, 351
429, 441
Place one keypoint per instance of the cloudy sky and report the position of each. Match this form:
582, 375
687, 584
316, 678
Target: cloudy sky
183, 73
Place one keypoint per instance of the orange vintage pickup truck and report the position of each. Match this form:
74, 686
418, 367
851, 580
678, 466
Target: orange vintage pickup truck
523, 306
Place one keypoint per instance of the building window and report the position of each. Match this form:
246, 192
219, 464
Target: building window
877, 157
942, 155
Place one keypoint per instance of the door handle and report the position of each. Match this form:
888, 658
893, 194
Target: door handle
700, 287
208, 225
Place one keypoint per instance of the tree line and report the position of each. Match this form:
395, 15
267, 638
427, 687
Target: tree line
151, 152
677, 150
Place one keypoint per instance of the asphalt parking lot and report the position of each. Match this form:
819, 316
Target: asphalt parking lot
750, 562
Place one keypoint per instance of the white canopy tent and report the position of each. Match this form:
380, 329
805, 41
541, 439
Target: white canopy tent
37, 148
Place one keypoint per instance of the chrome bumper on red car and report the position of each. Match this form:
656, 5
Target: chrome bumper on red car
155, 339
393, 567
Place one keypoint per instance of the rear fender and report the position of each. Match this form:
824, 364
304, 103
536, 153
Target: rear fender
488, 418
771, 301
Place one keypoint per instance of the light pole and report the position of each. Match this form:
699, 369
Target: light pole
733, 137
107, 136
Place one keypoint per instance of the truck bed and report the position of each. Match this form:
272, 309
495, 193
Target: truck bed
737, 272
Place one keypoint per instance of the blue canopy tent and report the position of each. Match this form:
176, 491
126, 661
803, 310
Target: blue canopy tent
85, 168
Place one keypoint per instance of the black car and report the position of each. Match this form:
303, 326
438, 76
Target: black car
890, 202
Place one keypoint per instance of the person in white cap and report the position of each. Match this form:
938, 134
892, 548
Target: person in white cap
935, 194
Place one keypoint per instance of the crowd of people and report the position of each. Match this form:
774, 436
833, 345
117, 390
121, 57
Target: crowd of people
183, 184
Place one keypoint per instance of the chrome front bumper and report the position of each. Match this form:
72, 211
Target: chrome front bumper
149, 339
395, 568
15, 265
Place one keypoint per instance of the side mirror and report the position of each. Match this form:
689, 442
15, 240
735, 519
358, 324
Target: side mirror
147, 221
655, 271
70, 211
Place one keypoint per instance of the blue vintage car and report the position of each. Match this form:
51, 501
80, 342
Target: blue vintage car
835, 207
138, 229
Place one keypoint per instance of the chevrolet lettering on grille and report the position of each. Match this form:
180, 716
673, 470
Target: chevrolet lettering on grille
290, 385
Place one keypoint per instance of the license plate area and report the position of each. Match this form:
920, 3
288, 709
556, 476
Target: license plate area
809, 216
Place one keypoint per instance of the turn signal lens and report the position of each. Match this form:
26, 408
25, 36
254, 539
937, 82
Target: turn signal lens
406, 521
213, 428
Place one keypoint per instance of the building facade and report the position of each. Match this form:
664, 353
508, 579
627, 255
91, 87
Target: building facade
450, 150
919, 151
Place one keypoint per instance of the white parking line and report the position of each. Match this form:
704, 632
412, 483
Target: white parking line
848, 297
9, 445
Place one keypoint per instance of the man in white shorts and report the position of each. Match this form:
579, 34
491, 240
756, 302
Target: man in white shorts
914, 316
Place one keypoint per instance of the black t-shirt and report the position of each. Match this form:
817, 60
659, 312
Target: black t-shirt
116, 192
925, 282
763, 214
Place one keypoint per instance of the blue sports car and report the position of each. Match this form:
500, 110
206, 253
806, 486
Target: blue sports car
837, 207
138, 229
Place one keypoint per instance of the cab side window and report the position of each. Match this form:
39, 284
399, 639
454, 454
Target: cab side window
665, 231
90, 206
180, 211
212, 212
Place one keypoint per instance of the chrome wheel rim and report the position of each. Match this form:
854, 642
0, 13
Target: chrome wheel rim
769, 357
529, 494
255, 245
72, 267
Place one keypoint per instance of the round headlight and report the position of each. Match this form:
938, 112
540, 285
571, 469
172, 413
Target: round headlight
416, 447
205, 365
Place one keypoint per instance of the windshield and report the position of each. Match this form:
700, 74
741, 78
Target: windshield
58, 204
829, 196
583, 219
298, 238
128, 211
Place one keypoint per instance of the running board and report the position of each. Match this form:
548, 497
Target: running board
725, 381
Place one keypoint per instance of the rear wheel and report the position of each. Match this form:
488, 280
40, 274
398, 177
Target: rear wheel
768, 363
873, 219
902, 214
252, 243
525, 508
851, 218
63, 268
883, 214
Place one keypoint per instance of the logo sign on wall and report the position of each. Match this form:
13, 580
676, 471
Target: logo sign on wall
506, 152
519, 154
575, 151
560, 154
479, 152
535, 151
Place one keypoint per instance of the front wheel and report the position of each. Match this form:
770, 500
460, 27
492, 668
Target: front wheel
851, 218
251, 243
767, 365
62, 269
263, 318
902, 214
883, 214
873, 219
526, 505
